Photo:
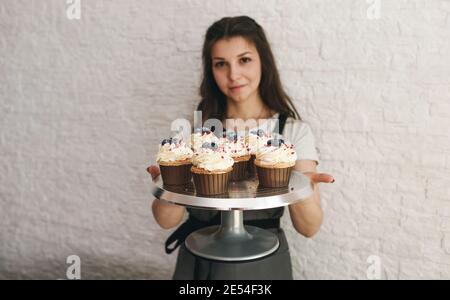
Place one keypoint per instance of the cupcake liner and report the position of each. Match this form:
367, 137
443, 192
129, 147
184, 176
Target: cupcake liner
273, 177
251, 168
211, 184
240, 170
181, 189
176, 175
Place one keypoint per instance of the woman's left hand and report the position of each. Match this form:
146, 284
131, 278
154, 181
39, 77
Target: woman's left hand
317, 178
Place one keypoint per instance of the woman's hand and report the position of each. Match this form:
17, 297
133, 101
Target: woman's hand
307, 215
154, 172
317, 178
167, 215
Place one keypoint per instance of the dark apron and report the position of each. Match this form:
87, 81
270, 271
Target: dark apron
189, 266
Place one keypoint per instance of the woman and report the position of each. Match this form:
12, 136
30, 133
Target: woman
240, 80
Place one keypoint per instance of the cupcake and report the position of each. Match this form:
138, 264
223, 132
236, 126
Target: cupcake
201, 136
274, 163
237, 148
211, 169
256, 139
175, 161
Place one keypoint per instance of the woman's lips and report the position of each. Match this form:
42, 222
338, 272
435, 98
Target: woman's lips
235, 88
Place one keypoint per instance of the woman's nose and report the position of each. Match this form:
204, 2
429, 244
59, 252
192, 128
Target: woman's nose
235, 72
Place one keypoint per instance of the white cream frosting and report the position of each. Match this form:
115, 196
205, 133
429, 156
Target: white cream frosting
256, 142
173, 152
212, 160
271, 155
236, 148
197, 140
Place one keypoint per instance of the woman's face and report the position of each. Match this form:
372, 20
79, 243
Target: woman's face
236, 68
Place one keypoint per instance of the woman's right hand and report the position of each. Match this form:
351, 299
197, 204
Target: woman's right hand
154, 172
167, 215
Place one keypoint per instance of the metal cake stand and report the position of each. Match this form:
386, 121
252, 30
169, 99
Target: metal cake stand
231, 240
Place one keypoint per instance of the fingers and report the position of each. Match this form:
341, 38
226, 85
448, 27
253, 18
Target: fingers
154, 171
321, 177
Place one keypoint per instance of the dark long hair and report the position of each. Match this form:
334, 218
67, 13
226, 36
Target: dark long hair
213, 102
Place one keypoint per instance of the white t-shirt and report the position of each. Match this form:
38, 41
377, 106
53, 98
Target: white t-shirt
296, 132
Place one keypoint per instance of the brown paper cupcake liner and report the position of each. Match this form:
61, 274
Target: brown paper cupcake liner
211, 184
240, 171
176, 175
182, 188
251, 168
273, 177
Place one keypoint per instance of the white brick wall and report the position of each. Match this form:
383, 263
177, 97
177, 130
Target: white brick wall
85, 102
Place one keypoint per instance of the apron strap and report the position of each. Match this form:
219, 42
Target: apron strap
181, 233
281, 122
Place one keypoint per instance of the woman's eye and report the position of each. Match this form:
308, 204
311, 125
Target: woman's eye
219, 64
246, 60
